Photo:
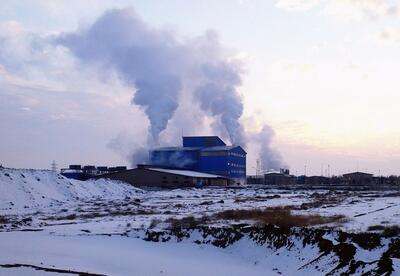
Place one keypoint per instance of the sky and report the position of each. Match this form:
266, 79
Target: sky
322, 74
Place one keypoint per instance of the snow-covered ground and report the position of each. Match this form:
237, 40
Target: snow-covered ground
49, 221
29, 191
118, 255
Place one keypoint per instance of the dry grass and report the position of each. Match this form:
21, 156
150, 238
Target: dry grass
3, 220
187, 222
387, 231
154, 223
280, 216
108, 213
256, 198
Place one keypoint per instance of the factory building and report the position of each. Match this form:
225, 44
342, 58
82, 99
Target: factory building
207, 154
358, 178
283, 177
148, 176
85, 172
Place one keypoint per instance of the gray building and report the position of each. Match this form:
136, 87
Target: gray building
358, 178
278, 178
147, 176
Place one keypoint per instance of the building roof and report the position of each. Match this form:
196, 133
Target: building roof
186, 173
357, 173
215, 148
277, 174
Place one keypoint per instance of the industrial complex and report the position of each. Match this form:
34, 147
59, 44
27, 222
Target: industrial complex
207, 154
208, 161
200, 161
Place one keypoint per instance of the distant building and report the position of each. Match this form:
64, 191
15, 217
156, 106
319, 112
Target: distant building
255, 179
208, 154
148, 176
279, 178
85, 172
358, 178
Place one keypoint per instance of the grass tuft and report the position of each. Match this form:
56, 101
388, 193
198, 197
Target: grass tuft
280, 216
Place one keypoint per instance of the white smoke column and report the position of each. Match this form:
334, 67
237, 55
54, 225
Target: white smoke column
145, 58
270, 158
218, 95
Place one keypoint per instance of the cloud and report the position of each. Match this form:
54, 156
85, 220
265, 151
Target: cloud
90, 77
390, 35
343, 9
359, 9
296, 5
46, 95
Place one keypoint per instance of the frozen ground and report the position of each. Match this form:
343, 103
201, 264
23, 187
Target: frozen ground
118, 255
48, 221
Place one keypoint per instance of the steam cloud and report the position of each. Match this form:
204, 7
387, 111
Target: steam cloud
219, 96
270, 158
160, 67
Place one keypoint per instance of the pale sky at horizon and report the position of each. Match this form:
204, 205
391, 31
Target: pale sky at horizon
322, 73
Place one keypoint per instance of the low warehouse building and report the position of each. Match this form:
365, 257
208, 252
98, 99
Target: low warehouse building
358, 178
283, 177
147, 176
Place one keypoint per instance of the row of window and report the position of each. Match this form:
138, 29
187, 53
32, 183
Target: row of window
238, 171
236, 165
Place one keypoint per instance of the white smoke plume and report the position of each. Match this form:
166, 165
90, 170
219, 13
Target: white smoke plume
270, 158
160, 67
220, 87
144, 58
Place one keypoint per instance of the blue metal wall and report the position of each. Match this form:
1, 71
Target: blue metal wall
230, 163
223, 160
202, 141
175, 159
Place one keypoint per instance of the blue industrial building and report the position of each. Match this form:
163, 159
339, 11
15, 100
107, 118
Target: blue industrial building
207, 154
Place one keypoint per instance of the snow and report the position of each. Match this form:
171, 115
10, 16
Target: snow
93, 226
123, 256
29, 191
32, 191
23, 271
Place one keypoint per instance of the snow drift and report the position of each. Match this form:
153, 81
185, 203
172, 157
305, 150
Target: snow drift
25, 190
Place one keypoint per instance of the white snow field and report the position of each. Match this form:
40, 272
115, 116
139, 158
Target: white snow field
50, 225
118, 255
24, 191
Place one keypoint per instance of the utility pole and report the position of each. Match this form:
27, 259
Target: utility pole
258, 167
54, 166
